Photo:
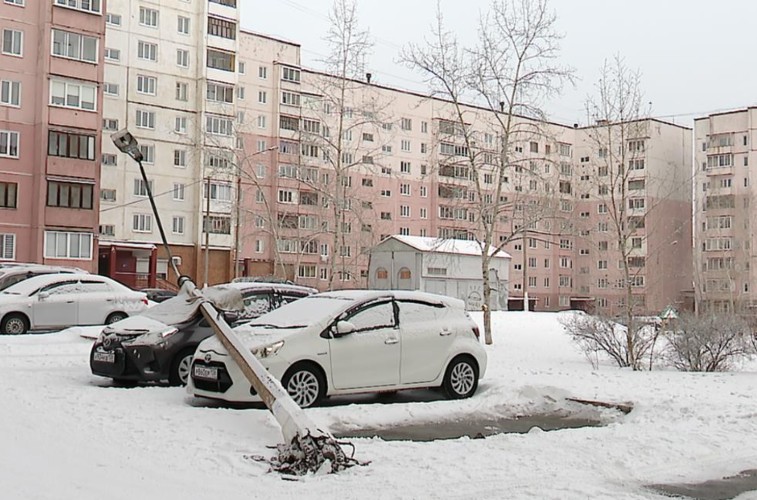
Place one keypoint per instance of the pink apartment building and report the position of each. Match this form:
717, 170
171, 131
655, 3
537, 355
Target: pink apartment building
50, 115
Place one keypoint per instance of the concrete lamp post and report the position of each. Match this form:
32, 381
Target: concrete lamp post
307, 448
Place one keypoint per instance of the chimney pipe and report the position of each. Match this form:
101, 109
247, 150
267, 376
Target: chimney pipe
368, 77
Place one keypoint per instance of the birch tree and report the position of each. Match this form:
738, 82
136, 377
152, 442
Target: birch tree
508, 73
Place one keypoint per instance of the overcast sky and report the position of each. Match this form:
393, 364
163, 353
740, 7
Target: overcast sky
695, 56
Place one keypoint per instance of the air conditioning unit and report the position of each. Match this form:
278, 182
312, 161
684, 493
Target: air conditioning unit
176, 260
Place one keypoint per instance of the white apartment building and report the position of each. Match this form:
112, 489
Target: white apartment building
724, 194
171, 71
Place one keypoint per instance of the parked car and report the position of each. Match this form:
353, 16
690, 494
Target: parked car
12, 273
51, 301
159, 344
158, 294
349, 342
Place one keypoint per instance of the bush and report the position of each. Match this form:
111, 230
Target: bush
708, 343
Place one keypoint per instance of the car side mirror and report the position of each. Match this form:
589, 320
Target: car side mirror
43, 295
343, 328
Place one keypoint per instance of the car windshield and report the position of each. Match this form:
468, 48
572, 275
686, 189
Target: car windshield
303, 312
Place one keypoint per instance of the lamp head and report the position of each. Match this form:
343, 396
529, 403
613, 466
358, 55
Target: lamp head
126, 143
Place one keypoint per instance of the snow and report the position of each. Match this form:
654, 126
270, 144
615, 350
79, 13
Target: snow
442, 245
65, 433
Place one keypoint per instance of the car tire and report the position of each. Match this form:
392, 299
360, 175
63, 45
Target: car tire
461, 378
181, 367
116, 316
305, 383
14, 324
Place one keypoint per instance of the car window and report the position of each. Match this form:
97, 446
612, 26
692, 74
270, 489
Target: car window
256, 304
61, 287
94, 287
420, 312
12, 280
288, 297
373, 316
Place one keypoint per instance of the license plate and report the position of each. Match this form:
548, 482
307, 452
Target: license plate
206, 372
105, 357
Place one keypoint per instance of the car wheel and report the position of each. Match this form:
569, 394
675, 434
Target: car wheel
113, 317
305, 384
181, 367
14, 324
461, 378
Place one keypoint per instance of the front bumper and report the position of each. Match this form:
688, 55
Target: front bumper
230, 383
124, 362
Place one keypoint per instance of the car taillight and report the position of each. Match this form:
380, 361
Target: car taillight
476, 332
145, 301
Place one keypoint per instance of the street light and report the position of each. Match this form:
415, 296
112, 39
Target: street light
127, 143
308, 448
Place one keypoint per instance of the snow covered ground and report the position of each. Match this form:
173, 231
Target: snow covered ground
65, 433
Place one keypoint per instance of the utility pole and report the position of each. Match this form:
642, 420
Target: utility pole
206, 228
236, 227
526, 305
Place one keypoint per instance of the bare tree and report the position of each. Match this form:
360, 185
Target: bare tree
625, 192
708, 342
510, 71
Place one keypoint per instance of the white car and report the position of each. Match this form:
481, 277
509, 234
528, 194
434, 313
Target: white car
53, 301
350, 342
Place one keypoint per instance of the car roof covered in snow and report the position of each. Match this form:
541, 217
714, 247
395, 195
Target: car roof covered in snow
359, 295
440, 245
244, 286
36, 282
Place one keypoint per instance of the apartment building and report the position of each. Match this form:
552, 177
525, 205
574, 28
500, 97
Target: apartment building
51, 71
171, 72
723, 236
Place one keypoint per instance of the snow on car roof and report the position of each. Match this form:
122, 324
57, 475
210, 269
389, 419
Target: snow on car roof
250, 285
440, 245
35, 282
398, 294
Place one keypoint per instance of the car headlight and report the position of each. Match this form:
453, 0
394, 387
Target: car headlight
269, 350
167, 333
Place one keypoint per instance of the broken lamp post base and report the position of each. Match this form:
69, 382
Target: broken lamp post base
320, 454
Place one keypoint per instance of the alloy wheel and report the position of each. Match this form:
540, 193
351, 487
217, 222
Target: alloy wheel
462, 378
303, 387
185, 365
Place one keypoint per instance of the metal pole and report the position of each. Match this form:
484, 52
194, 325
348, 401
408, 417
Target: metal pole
526, 305
236, 228
206, 228
157, 219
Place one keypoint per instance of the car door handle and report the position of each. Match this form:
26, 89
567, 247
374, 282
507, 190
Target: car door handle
69, 302
391, 341
445, 332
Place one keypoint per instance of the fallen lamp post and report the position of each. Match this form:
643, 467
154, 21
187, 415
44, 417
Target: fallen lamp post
306, 447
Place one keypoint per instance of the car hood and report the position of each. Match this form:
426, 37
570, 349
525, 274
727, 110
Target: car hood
252, 337
11, 298
135, 325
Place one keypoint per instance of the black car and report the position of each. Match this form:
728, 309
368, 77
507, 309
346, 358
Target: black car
158, 344
158, 294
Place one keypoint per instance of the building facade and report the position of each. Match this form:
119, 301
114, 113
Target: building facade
51, 73
723, 212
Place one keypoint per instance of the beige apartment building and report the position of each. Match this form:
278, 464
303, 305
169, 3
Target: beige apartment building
723, 236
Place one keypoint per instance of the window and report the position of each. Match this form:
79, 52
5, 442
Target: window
423, 191
141, 223
73, 95
113, 19
290, 98
110, 89
13, 42
74, 46
112, 54
636, 146
148, 17
406, 124
240, 93
404, 189
287, 196
222, 27
109, 160
404, 211
9, 143
290, 74
183, 25
85, 5
145, 119
218, 92
64, 245
405, 167
178, 225
217, 224
636, 203
179, 158
218, 125
8, 194
71, 145
69, 195
182, 58
181, 91
10, 93
178, 191
261, 121
140, 188
147, 51
219, 191
220, 60
108, 195
262, 72
147, 84
306, 271
263, 98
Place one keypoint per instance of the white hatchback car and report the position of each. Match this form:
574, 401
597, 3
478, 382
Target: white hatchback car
350, 342
52, 301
